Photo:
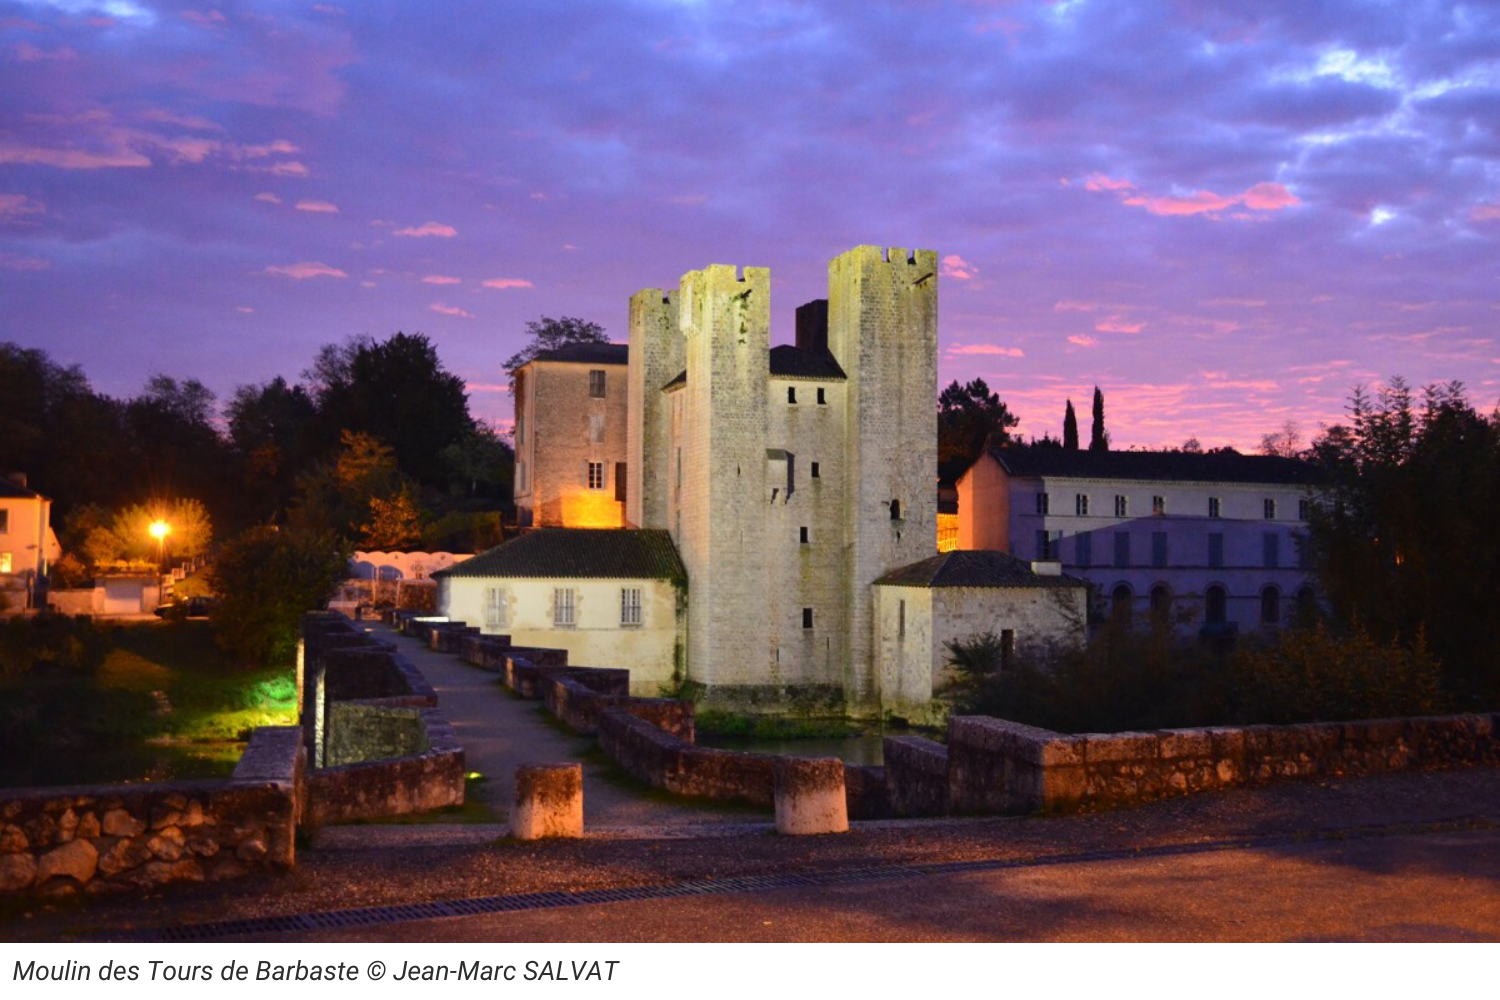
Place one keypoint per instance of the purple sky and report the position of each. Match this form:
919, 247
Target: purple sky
1224, 213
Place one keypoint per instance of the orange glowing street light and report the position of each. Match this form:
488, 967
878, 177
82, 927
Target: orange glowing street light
159, 531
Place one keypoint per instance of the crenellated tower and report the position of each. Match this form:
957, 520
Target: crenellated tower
882, 330
656, 356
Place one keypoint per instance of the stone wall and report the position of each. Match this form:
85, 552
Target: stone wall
111, 838
362, 731
999, 766
418, 780
916, 776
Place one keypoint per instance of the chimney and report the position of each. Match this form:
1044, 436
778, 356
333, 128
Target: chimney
812, 326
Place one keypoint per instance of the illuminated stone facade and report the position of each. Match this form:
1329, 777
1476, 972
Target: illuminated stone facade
571, 416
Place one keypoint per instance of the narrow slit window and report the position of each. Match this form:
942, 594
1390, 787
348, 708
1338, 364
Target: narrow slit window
807, 618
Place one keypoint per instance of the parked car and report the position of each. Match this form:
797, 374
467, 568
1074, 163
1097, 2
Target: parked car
189, 607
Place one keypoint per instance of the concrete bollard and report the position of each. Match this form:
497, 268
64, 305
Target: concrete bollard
549, 801
810, 796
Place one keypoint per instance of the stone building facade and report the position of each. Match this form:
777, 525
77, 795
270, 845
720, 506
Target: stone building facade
790, 478
571, 416
28, 546
1212, 541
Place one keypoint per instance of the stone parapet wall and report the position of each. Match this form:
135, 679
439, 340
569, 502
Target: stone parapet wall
360, 731
665, 761
416, 781
111, 838
999, 766
916, 776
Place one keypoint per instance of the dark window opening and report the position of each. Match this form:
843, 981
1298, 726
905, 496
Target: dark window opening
1215, 603
1007, 648
804, 535
1270, 606
791, 394
807, 617
813, 472
620, 480
822, 399
895, 510
596, 383
1121, 602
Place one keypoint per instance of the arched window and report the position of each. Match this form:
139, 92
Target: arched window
1161, 602
1215, 602
1270, 606
1120, 603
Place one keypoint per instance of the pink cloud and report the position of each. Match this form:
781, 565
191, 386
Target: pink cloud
993, 349
448, 310
16, 262
28, 53
441, 279
1193, 204
309, 205
212, 19
955, 266
486, 387
1268, 197
13, 206
268, 197
1083, 340
306, 269
244, 309
1073, 305
1099, 182
286, 168
507, 283
1118, 324
429, 229
1485, 213
72, 159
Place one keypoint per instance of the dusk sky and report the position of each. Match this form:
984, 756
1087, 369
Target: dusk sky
1225, 214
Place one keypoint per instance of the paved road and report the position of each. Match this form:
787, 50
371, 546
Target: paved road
500, 731
1438, 886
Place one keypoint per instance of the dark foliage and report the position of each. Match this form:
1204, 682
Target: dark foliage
266, 580
967, 416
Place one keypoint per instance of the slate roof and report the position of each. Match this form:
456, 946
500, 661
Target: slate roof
1174, 466
974, 569
12, 491
788, 361
593, 354
578, 553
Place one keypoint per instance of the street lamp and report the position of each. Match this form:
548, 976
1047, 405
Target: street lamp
159, 531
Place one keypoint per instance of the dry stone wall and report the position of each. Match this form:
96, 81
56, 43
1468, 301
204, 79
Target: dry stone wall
112, 838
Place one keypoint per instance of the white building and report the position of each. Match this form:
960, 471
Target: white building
28, 546
610, 597
1212, 540
956, 597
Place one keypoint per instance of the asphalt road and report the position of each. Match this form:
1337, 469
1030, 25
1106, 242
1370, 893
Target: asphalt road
1437, 886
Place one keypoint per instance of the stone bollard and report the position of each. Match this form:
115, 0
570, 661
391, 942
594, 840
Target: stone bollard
810, 796
549, 801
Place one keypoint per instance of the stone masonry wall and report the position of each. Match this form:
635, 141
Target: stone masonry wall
418, 780
111, 838
1000, 766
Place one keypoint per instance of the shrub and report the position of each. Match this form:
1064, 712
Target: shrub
266, 580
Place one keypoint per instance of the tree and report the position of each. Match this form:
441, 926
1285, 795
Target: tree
967, 416
189, 530
1402, 538
396, 390
548, 334
1098, 437
1070, 428
394, 523
271, 433
266, 580
1192, 446
336, 495
480, 463
1285, 442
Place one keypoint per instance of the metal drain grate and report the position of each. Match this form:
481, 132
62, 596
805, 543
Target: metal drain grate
374, 916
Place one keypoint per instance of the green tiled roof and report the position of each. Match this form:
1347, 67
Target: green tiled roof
578, 553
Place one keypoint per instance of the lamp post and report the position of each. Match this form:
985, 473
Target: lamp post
159, 531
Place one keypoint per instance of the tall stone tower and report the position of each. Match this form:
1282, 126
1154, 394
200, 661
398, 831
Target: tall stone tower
725, 322
656, 356
882, 330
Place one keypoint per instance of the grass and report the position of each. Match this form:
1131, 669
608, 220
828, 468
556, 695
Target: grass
210, 697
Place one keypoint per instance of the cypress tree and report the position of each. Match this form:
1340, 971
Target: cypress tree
1099, 439
1070, 428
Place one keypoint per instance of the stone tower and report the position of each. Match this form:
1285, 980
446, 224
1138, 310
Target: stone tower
656, 356
882, 330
